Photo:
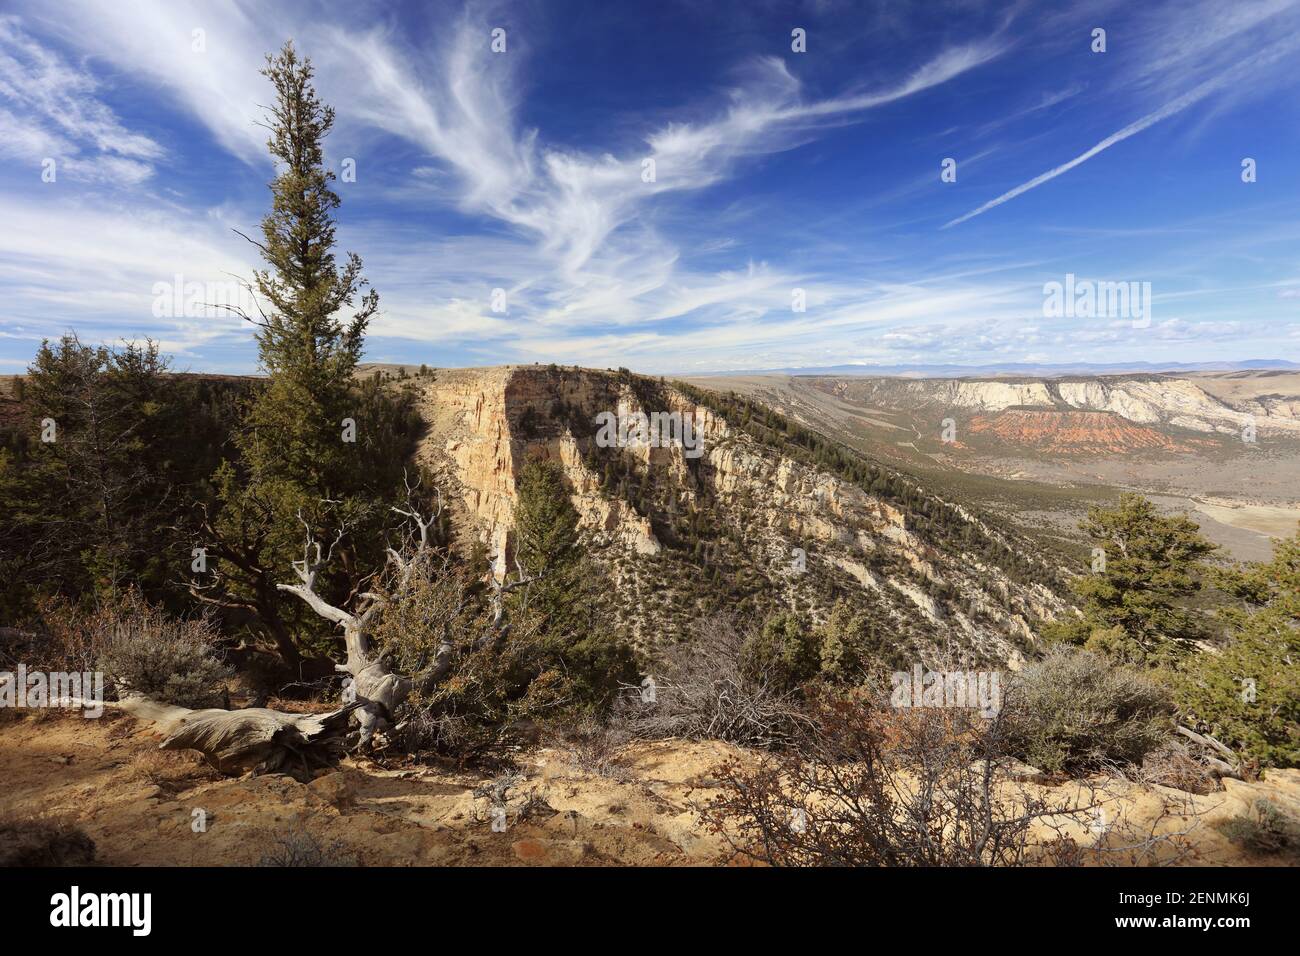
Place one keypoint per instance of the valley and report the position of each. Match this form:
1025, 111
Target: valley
1222, 445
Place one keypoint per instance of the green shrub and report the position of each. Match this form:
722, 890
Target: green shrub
850, 645
1075, 711
788, 652
784, 652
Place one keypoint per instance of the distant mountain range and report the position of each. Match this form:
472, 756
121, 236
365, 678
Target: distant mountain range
1019, 368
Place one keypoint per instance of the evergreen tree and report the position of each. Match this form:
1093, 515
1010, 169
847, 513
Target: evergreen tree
784, 653
1247, 692
546, 523
310, 356
95, 496
313, 443
574, 630
848, 644
1135, 607
98, 508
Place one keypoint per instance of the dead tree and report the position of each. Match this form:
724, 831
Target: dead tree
255, 739
1226, 764
264, 740
378, 690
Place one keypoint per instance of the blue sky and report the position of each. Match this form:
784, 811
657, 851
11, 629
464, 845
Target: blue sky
774, 170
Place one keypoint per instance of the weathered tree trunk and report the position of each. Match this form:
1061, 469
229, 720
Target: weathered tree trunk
1230, 766
375, 689
256, 739
263, 740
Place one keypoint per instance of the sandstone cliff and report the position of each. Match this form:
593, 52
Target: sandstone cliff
744, 525
1145, 400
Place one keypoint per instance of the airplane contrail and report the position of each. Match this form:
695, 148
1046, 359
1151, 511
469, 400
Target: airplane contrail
1176, 106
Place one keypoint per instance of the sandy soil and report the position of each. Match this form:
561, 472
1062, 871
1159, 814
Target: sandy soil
139, 804
1272, 520
1232, 387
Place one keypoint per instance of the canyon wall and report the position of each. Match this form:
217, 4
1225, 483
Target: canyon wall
763, 509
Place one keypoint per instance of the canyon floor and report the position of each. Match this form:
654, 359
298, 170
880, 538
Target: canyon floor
139, 805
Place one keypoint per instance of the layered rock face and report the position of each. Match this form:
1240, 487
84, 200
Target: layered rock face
711, 518
1154, 400
1073, 433
486, 423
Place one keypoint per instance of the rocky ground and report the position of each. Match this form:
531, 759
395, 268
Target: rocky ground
140, 805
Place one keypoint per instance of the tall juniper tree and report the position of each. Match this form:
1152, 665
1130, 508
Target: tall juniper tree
303, 345
297, 462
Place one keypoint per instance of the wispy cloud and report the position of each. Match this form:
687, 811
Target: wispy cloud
770, 173
1178, 59
52, 113
573, 201
1177, 106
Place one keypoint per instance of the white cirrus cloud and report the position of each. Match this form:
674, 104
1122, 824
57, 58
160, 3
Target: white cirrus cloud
50, 110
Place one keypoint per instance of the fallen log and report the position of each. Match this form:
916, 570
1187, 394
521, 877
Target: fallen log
1230, 766
256, 739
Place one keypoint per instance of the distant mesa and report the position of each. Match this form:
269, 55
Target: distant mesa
1075, 432
1015, 369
